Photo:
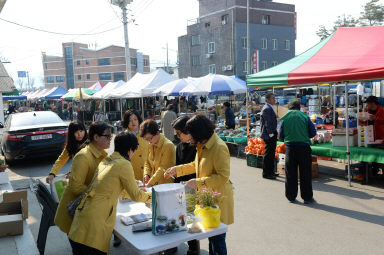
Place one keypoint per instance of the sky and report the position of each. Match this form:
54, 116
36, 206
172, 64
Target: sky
156, 23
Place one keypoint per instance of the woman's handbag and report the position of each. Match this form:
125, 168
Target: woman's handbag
72, 206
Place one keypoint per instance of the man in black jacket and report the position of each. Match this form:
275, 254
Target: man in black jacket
268, 126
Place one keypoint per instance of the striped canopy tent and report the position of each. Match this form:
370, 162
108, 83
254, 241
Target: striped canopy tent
74, 94
97, 86
349, 54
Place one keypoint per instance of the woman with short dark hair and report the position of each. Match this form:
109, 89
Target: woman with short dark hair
212, 173
95, 217
162, 154
76, 140
83, 169
131, 122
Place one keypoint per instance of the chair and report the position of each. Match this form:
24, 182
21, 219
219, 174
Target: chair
49, 207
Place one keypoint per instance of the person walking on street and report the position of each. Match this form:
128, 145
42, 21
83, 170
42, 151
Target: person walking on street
229, 116
166, 123
296, 130
268, 126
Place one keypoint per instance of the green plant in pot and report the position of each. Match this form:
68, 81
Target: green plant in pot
206, 208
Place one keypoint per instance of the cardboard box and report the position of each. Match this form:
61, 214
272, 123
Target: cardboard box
17, 196
281, 169
11, 218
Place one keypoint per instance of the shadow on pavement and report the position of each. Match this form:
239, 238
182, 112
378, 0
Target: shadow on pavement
26, 167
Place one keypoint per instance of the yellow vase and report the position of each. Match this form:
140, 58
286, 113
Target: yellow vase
210, 216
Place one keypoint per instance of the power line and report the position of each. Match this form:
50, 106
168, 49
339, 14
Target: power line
58, 33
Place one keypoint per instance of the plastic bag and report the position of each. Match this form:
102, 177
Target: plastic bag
58, 185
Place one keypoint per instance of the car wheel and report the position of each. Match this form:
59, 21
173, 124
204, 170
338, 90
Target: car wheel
8, 161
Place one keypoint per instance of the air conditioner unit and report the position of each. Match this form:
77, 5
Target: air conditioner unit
229, 67
208, 55
224, 68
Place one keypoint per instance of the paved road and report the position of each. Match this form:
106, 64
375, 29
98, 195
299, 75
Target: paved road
345, 220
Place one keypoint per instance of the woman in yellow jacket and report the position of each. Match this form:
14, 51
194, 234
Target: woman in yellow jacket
95, 216
83, 168
212, 168
77, 135
162, 154
131, 122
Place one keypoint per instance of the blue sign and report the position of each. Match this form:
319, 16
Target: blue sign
21, 74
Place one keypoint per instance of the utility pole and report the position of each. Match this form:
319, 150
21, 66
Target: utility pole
248, 67
167, 60
123, 5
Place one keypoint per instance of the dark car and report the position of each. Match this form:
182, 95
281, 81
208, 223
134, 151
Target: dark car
33, 135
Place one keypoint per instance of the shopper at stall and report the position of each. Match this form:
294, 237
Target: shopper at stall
376, 117
166, 122
268, 126
83, 168
162, 154
91, 230
229, 116
131, 123
212, 168
328, 117
76, 140
296, 129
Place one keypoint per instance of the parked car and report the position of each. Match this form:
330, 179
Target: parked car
32, 135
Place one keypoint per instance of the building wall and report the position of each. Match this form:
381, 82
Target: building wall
86, 67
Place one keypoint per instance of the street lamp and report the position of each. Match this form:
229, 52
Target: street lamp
123, 5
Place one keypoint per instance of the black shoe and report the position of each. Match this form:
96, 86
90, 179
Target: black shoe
116, 241
311, 201
293, 201
269, 177
276, 174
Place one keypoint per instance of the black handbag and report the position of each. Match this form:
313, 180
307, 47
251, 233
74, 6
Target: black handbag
72, 206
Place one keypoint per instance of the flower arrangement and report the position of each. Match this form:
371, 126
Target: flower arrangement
207, 198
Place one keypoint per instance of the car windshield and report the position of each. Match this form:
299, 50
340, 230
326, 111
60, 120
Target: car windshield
32, 119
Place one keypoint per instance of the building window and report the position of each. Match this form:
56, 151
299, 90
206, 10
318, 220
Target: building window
275, 63
105, 76
211, 47
60, 79
287, 44
146, 62
212, 68
87, 62
45, 66
264, 43
274, 44
245, 66
78, 62
118, 76
224, 19
88, 76
266, 19
79, 77
208, 24
50, 79
104, 61
264, 65
196, 60
133, 61
195, 40
244, 42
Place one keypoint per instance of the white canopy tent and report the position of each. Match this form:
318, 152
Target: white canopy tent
109, 87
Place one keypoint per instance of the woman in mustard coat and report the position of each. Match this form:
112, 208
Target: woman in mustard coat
131, 122
95, 216
83, 168
212, 168
162, 154
77, 135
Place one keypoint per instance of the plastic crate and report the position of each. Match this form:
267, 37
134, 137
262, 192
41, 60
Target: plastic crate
229, 139
251, 160
223, 138
240, 140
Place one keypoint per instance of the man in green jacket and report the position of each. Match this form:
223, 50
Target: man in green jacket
296, 129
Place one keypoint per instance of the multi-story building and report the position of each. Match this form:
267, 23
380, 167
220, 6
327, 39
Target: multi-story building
81, 67
216, 42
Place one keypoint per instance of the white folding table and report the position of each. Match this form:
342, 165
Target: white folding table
145, 243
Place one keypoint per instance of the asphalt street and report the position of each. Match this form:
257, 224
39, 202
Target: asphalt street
345, 220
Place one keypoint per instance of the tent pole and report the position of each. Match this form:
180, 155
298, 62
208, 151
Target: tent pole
347, 133
334, 105
142, 106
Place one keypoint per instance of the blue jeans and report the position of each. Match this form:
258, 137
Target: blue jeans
217, 245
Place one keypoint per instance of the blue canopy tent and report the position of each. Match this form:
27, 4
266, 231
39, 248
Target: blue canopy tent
10, 98
56, 93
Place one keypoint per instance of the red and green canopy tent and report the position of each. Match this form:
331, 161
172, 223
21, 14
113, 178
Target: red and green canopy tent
349, 54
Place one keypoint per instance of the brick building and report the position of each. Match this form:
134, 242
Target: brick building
81, 67
216, 42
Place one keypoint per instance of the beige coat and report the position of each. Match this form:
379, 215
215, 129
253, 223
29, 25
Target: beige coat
212, 168
161, 157
83, 168
96, 215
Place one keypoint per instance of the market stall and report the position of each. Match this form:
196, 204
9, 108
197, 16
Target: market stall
349, 54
